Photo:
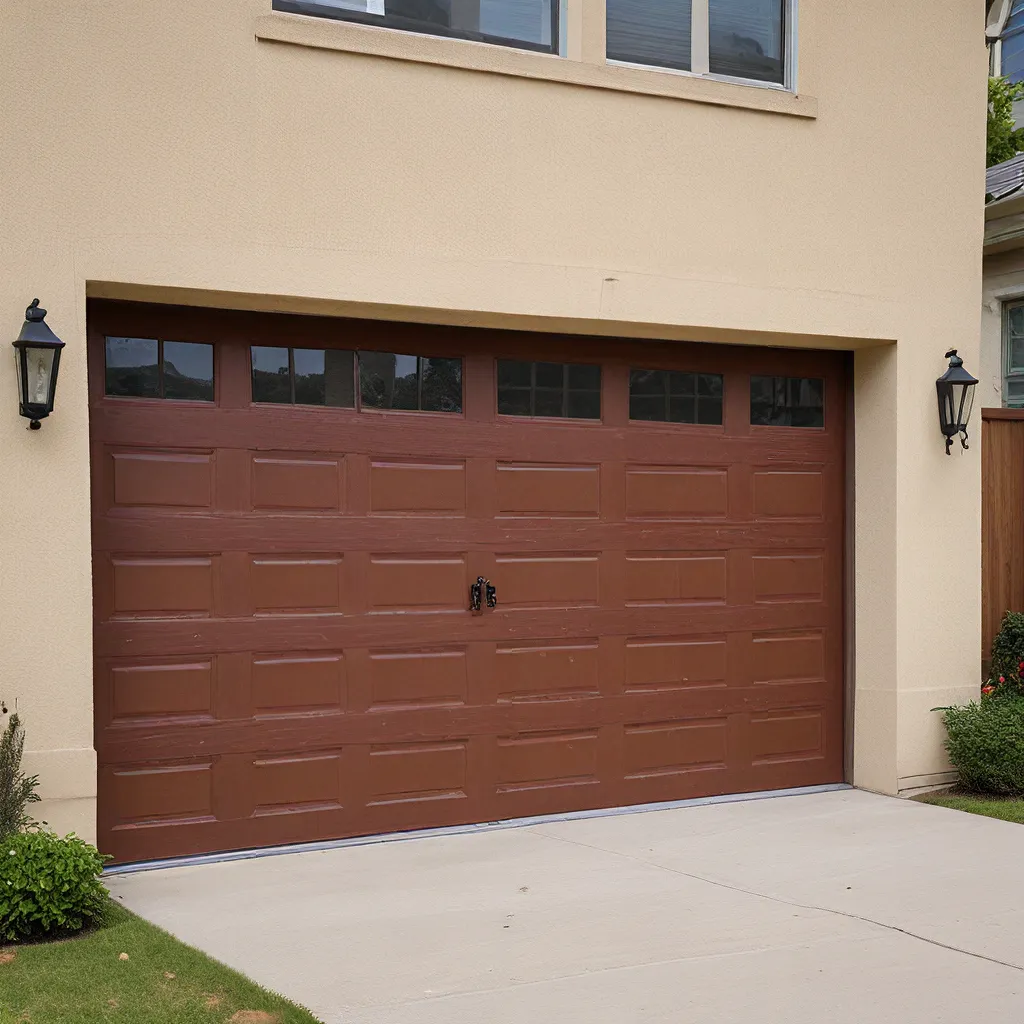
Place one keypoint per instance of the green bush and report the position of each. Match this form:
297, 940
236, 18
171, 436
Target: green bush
985, 742
49, 887
17, 790
1008, 653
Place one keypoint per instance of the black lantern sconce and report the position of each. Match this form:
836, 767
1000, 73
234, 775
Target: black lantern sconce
956, 397
37, 353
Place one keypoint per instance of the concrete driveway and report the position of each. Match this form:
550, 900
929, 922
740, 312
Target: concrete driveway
832, 907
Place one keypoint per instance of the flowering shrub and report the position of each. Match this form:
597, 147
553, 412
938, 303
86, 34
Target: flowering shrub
49, 886
1008, 656
985, 742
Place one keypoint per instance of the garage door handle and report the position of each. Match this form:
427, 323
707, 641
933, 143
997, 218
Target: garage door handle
482, 592
476, 593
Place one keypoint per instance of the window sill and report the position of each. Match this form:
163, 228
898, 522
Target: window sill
348, 37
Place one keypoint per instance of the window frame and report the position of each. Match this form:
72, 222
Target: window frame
566, 390
306, 8
700, 50
161, 395
1007, 373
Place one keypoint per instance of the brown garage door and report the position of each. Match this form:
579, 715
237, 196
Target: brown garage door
289, 513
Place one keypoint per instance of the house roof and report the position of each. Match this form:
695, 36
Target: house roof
1004, 179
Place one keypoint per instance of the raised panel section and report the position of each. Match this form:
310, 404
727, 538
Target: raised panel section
668, 664
418, 678
547, 581
173, 690
163, 479
297, 484
163, 794
672, 748
784, 658
533, 489
658, 578
788, 495
418, 488
547, 670
297, 782
297, 683
676, 492
296, 585
788, 578
418, 583
162, 587
795, 734
415, 772
546, 761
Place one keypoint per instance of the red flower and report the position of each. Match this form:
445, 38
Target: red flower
1002, 679
988, 689
1021, 666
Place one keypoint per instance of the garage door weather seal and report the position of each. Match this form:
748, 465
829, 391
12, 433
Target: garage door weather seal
457, 830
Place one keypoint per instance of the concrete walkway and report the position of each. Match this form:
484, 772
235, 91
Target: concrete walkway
834, 907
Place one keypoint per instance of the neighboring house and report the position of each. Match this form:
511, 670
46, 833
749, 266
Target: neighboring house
631, 309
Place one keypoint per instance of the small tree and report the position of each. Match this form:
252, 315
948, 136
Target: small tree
1004, 140
17, 790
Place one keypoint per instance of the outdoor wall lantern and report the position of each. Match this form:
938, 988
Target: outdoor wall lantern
37, 354
956, 396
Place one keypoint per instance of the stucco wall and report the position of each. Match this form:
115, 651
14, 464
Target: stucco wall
162, 146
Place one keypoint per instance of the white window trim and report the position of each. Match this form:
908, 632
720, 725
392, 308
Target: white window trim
700, 51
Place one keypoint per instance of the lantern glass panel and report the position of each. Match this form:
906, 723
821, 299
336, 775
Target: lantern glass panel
38, 373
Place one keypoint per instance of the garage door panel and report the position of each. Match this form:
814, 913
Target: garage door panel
272, 533
165, 689
284, 647
296, 482
298, 683
160, 479
154, 638
528, 489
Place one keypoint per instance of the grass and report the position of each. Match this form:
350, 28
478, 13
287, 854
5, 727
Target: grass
1008, 808
85, 981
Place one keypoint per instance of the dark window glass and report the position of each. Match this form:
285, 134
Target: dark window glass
188, 371
747, 38
150, 368
388, 380
787, 401
303, 376
668, 396
133, 367
565, 390
651, 32
526, 24
271, 376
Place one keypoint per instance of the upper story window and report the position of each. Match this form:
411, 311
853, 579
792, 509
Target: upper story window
1013, 355
1008, 56
525, 24
733, 39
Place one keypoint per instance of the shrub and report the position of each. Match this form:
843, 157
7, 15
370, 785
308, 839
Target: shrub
17, 790
985, 741
49, 887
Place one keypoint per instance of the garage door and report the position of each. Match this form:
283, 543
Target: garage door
289, 515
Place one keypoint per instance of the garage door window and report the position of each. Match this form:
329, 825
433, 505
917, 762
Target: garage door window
667, 396
303, 376
390, 380
787, 401
566, 390
151, 368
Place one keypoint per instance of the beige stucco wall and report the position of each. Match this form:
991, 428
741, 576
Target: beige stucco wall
151, 146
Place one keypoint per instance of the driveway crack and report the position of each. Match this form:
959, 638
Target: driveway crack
785, 902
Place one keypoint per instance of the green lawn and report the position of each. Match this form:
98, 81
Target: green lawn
85, 980
1008, 808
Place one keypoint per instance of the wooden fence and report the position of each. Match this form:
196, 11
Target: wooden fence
1002, 519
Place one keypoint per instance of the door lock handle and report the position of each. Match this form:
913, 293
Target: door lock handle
482, 592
